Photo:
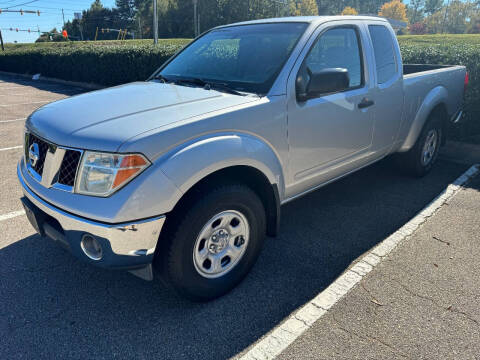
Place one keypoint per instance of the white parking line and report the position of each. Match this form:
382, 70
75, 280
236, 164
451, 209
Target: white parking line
11, 148
12, 120
35, 102
300, 321
11, 215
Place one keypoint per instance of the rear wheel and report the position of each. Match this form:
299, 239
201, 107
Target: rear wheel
419, 160
215, 243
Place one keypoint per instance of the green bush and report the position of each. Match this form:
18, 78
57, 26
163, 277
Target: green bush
103, 62
116, 62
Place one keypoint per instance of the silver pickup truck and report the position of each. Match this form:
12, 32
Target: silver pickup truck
186, 173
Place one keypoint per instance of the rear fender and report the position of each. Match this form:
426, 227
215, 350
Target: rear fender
435, 97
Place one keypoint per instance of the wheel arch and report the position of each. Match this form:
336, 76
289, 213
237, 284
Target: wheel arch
435, 103
227, 158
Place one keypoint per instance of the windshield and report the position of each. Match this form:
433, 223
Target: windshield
245, 58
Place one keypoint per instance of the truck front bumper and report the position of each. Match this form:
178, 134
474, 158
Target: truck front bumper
129, 245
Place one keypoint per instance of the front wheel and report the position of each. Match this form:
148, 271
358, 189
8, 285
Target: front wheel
215, 243
419, 160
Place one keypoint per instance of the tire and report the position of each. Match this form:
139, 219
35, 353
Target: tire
416, 161
225, 227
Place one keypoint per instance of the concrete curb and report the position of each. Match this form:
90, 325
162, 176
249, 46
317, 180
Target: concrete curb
56, 81
273, 344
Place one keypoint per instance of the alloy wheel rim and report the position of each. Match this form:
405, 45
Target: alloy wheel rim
430, 147
221, 244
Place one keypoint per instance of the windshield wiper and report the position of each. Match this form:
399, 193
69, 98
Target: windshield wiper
192, 81
207, 85
223, 87
162, 78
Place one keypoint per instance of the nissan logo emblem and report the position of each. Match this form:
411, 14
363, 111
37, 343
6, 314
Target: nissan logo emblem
33, 154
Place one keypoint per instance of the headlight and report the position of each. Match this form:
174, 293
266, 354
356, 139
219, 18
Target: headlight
101, 174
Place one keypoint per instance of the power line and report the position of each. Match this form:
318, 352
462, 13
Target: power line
29, 2
51, 8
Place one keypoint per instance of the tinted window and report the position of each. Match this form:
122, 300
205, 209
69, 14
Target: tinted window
246, 58
384, 52
337, 48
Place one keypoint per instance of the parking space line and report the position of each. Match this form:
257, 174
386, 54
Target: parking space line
35, 102
12, 148
11, 215
300, 321
12, 120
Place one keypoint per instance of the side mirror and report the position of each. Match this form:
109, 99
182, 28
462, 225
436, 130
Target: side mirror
325, 81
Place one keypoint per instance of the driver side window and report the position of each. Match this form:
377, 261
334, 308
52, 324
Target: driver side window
335, 48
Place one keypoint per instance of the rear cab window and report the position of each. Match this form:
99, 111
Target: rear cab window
384, 51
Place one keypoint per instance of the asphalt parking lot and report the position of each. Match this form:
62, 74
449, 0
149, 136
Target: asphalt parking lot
54, 306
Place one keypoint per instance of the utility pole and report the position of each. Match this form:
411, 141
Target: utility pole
155, 23
195, 21
1, 40
139, 27
445, 17
63, 16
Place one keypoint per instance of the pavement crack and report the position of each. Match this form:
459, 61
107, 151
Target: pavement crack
318, 306
372, 299
302, 321
369, 337
467, 316
449, 308
440, 240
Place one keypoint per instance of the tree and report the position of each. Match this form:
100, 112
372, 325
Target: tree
415, 11
451, 19
303, 7
394, 9
349, 11
418, 28
52, 35
456, 17
432, 6
474, 24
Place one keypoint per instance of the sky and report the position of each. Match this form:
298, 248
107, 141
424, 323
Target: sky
50, 16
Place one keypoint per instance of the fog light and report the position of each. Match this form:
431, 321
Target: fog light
91, 247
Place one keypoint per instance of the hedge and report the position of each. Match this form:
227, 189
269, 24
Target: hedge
103, 63
117, 62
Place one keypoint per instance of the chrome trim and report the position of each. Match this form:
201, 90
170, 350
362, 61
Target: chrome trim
51, 166
457, 117
32, 172
134, 238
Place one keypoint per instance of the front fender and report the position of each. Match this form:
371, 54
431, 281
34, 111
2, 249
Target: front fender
436, 96
187, 165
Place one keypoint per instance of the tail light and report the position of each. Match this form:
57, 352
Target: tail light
467, 80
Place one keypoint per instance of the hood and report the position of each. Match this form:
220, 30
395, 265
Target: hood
105, 119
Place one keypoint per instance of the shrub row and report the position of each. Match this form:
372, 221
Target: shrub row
104, 63
116, 62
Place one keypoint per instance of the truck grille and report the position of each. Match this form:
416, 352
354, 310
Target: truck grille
43, 147
67, 170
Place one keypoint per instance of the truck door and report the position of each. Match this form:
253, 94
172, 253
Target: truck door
332, 130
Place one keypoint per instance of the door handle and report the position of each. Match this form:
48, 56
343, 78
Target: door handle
365, 103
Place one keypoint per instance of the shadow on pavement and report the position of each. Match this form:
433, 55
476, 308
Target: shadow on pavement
11, 81
55, 306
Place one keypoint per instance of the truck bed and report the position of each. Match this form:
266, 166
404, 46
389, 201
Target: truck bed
419, 80
417, 68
